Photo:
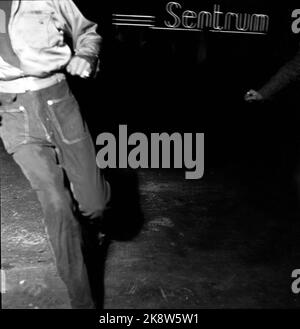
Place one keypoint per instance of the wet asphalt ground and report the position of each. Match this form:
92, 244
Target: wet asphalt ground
201, 245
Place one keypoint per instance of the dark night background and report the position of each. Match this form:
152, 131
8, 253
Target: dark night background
157, 81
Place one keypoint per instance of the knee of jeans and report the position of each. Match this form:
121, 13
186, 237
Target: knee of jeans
91, 205
92, 213
94, 206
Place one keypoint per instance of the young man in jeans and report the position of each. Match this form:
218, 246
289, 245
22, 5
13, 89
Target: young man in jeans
42, 126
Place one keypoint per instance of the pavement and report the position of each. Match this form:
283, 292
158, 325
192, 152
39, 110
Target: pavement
201, 245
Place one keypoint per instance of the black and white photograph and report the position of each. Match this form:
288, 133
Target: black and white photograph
150, 157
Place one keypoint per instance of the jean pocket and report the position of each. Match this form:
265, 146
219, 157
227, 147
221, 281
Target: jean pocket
14, 129
67, 119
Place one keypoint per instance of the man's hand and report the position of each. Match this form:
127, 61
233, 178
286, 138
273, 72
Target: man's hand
253, 96
79, 66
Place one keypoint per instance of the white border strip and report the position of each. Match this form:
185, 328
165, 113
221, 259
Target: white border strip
3, 282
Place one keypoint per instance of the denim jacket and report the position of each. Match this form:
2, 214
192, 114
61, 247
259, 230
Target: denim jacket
38, 31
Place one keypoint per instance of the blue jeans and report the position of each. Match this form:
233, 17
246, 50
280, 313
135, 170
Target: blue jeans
48, 138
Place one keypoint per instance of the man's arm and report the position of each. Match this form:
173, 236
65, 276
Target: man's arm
286, 74
86, 40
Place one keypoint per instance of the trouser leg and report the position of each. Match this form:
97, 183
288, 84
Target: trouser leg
92, 193
77, 151
90, 189
40, 165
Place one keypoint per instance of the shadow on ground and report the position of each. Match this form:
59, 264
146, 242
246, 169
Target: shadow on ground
198, 244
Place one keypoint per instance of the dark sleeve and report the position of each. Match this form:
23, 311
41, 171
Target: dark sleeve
286, 74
